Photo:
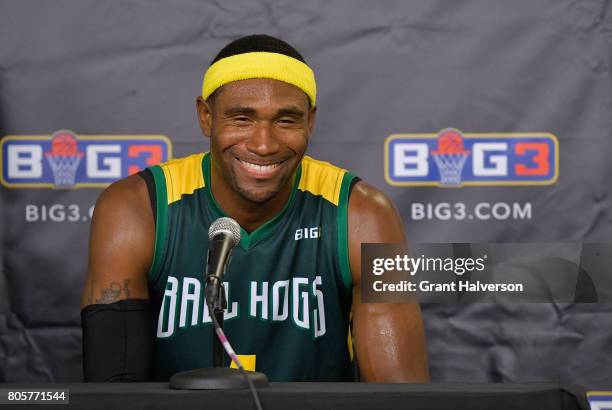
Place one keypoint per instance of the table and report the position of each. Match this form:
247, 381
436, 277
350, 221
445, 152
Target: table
298, 396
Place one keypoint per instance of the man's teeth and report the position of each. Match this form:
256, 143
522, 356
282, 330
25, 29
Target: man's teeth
260, 168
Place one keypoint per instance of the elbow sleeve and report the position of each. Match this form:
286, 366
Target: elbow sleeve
118, 341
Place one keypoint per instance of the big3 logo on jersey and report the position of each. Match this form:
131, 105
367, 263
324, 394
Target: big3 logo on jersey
63, 160
451, 158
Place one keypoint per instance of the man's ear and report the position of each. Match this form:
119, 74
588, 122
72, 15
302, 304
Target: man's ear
312, 114
205, 113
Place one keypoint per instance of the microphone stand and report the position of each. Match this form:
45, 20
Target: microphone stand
219, 307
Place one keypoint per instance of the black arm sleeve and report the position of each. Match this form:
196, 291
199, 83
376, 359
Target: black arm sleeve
118, 341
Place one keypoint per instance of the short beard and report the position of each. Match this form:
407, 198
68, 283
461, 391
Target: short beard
259, 197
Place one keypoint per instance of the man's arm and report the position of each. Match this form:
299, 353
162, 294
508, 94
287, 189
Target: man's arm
121, 243
389, 337
117, 318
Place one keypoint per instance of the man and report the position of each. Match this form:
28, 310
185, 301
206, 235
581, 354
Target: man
295, 276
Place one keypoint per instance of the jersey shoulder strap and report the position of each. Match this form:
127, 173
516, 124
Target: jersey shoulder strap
173, 179
181, 176
334, 184
321, 178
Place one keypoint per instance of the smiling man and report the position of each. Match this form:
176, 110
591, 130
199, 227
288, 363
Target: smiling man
293, 280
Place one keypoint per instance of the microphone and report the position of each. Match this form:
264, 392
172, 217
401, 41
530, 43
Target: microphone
224, 235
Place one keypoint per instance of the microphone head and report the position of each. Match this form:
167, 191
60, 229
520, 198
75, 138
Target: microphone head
225, 225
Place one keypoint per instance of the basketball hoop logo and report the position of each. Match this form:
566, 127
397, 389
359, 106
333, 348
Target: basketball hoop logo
64, 158
450, 156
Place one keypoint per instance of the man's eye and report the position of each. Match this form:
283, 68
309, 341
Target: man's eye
286, 121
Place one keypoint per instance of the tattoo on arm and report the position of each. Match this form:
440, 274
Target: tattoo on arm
113, 292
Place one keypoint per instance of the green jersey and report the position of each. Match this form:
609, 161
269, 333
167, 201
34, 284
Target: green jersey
288, 283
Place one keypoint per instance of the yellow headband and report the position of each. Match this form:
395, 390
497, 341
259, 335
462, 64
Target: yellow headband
260, 65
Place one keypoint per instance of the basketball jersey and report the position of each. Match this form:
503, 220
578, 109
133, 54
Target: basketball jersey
288, 283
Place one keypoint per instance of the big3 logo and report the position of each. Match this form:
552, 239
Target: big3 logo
451, 158
65, 160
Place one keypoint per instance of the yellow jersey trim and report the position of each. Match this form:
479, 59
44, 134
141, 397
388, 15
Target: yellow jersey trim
183, 176
321, 178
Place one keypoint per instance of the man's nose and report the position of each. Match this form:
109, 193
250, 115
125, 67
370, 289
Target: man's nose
263, 141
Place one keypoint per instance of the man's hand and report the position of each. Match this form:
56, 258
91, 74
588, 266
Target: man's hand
389, 337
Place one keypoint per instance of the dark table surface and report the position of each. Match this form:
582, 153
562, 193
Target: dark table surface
297, 396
